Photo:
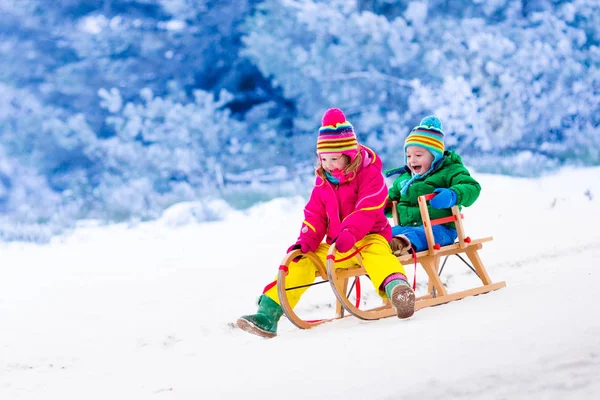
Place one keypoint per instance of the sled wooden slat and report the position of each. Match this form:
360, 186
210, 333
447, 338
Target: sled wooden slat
426, 224
459, 228
446, 250
428, 301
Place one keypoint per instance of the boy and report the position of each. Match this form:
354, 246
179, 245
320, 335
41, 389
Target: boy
429, 169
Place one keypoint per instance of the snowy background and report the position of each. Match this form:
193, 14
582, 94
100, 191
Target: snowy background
143, 311
115, 110
155, 157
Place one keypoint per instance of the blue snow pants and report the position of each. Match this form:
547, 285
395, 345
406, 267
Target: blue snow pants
443, 235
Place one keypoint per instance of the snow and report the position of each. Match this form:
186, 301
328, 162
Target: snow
140, 312
93, 24
173, 25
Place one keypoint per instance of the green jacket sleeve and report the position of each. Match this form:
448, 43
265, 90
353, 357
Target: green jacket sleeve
465, 186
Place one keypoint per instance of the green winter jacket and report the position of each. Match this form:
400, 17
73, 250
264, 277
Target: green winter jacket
451, 173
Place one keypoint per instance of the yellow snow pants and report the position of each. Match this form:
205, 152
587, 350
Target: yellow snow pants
378, 260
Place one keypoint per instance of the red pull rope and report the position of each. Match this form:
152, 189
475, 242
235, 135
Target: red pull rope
357, 279
331, 257
415, 275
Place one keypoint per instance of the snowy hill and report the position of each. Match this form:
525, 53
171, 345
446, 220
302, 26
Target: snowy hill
142, 312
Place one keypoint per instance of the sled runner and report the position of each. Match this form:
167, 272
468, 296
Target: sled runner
282, 290
430, 260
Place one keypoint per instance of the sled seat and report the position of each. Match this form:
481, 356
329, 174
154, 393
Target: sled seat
430, 260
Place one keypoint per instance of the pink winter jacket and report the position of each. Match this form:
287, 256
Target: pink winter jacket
357, 205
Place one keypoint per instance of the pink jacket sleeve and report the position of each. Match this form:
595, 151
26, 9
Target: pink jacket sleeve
314, 225
372, 198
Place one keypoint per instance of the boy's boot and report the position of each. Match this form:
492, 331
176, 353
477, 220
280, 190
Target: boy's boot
402, 297
400, 245
264, 322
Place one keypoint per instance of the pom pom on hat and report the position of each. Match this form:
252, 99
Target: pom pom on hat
432, 121
332, 117
336, 135
428, 135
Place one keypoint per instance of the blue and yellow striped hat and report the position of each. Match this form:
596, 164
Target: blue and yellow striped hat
428, 135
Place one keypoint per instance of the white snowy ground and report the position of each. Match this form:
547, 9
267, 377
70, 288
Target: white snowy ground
142, 312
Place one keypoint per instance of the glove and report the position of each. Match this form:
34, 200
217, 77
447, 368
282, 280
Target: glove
345, 241
445, 198
303, 247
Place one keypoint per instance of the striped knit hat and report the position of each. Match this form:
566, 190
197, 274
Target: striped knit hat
428, 135
336, 135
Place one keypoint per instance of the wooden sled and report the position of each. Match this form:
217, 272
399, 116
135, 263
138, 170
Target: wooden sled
430, 260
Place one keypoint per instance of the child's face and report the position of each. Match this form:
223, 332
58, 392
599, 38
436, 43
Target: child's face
418, 159
333, 162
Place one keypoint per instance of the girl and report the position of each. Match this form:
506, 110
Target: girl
346, 206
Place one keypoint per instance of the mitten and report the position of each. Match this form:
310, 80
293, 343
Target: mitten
445, 198
303, 247
345, 241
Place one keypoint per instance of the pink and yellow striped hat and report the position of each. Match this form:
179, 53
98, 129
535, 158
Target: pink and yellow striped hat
336, 135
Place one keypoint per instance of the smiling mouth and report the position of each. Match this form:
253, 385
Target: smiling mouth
416, 168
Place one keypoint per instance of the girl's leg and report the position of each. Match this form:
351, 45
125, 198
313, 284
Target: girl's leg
388, 275
301, 273
379, 262
377, 259
264, 321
